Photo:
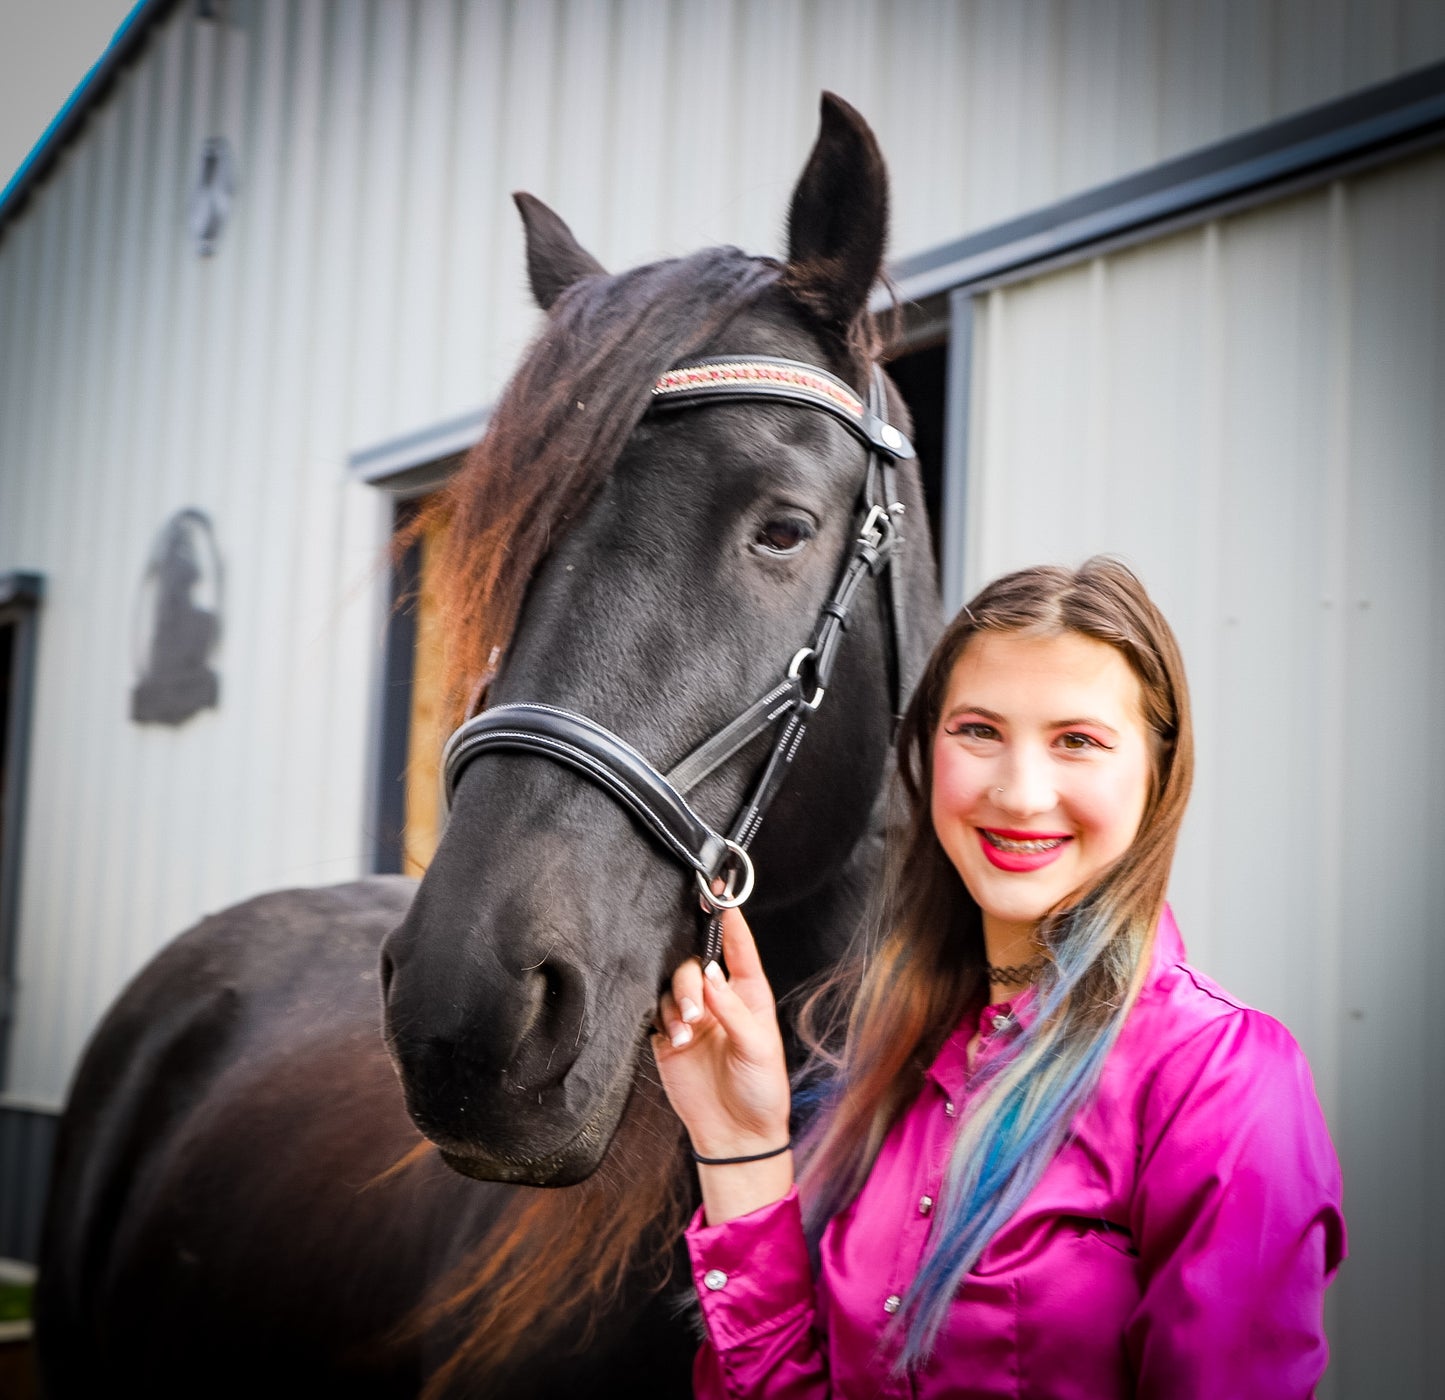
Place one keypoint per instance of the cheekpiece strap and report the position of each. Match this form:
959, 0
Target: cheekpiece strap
726, 377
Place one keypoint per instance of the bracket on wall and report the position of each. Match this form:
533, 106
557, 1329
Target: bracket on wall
213, 195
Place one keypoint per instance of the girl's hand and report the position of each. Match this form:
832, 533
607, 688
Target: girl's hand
720, 1057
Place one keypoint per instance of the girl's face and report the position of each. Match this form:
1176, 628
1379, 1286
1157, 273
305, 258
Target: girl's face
1041, 771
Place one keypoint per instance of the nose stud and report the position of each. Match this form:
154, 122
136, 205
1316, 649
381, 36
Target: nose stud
998, 789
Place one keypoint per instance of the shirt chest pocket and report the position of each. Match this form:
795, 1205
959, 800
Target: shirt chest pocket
1074, 1302
979, 1357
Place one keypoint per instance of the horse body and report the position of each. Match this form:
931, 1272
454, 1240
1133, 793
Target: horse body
241, 1200
253, 1097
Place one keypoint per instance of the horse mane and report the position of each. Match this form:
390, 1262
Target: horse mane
557, 1257
547, 1270
555, 435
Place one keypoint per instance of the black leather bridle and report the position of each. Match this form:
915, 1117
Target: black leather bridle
658, 800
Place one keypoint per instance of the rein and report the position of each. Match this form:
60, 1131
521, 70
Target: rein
659, 800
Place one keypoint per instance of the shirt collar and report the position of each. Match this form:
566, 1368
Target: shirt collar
1168, 945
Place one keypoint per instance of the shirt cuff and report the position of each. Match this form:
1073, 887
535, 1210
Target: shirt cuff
752, 1273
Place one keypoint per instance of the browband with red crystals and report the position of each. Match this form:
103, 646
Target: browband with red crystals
785, 381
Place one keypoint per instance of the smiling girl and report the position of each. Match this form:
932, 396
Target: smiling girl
1044, 1157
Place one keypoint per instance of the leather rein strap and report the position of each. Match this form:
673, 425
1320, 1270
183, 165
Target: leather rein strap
659, 800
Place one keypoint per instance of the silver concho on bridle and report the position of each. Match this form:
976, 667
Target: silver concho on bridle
659, 800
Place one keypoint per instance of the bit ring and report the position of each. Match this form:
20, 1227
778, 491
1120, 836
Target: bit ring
740, 862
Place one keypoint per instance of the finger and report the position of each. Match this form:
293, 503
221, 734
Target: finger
677, 1032
748, 979
734, 1015
687, 991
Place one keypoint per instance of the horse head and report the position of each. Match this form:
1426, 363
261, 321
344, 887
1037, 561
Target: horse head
654, 571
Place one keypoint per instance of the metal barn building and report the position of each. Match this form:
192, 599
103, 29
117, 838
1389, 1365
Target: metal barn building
1175, 274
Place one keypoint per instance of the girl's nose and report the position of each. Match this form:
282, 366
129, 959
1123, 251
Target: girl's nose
1024, 785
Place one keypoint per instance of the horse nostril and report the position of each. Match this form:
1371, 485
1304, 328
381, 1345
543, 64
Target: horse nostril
553, 985
547, 995
556, 997
387, 969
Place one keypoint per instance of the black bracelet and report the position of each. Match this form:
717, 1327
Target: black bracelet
738, 1161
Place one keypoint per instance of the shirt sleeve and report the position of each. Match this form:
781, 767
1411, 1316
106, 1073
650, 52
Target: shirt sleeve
1236, 1217
755, 1283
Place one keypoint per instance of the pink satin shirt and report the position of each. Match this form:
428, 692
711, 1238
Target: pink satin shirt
1178, 1246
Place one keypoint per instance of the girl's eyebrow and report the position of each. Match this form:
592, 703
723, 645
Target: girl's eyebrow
995, 718
1083, 719
957, 710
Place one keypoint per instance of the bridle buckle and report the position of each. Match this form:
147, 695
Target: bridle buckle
795, 672
878, 535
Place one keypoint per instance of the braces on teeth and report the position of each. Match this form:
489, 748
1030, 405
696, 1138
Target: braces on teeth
1004, 843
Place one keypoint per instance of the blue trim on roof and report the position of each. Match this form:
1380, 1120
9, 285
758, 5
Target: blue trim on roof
68, 120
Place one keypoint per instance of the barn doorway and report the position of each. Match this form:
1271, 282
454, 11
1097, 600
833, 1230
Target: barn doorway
921, 374
20, 596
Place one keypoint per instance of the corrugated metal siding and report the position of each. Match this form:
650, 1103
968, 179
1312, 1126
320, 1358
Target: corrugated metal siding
371, 283
137, 379
1250, 413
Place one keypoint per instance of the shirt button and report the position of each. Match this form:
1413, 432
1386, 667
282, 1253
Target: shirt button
714, 1279
949, 1109
892, 1303
925, 1205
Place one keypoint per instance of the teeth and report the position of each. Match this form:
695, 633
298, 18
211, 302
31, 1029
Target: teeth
1004, 843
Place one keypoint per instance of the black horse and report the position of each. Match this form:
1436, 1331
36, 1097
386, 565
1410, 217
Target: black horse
241, 1204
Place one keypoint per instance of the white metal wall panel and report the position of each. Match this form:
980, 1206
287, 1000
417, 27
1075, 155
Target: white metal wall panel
371, 283
137, 379
1250, 414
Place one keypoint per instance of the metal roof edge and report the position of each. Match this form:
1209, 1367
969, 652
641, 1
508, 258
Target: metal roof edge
124, 44
1316, 137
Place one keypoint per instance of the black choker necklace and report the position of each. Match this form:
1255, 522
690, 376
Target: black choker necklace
1021, 975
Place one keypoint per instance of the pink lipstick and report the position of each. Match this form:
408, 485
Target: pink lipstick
1019, 851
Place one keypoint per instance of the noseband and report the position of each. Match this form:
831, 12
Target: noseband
659, 800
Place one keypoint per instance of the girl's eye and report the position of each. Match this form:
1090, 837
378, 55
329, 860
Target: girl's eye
1077, 743
973, 729
785, 535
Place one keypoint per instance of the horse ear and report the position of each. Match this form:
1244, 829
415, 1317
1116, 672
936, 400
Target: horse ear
838, 222
555, 259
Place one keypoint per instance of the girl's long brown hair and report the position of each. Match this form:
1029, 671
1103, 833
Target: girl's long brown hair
874, 1027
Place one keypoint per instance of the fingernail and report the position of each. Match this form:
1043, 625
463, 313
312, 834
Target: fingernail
681, 1036
714, 972
689, 1008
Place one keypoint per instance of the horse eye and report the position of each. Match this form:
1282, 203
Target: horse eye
785, 535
